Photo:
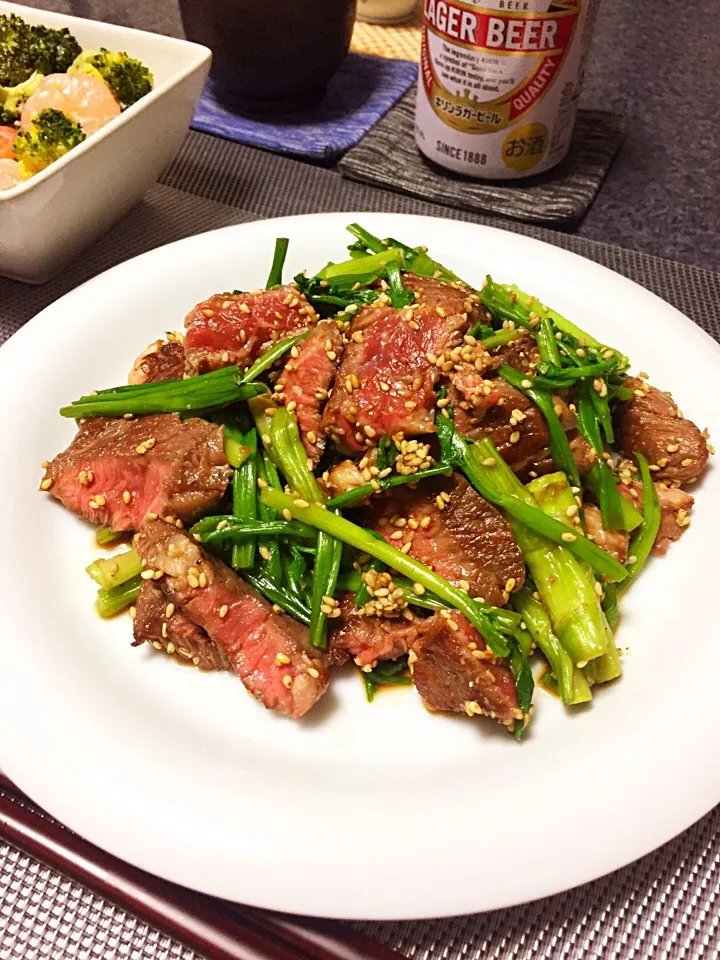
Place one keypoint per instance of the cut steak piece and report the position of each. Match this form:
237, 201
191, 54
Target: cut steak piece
454, 672
368, 639
651, 424
467, 540
386, 381
520, 353
306, 381
614, 542
158, 623
161, 360
269, 651
675, 507
235, 328
343, 477
583, 454
494, 409
117, 472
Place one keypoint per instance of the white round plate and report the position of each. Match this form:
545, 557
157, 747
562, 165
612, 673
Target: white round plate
375, 811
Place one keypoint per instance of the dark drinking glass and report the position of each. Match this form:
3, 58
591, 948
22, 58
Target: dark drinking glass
271, 56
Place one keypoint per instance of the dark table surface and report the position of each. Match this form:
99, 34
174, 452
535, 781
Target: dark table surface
657, 63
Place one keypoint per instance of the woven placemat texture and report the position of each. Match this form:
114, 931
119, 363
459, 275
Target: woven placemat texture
667, 905
562, 196
401, 41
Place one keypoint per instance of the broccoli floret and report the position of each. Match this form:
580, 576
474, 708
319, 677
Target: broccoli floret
16, 39
12, 98
25, 49
128, 79
53, 51
51, 135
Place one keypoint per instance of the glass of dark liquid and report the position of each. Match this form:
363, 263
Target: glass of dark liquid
271, 57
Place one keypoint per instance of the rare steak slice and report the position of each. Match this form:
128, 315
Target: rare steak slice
235, 328
456, 532
269, 651
159, 623
454, 672
368, 636
387, 377
650, 423
117, 472
492, 408
306, 380
161, 360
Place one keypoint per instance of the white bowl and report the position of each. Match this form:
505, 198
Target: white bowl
54, 216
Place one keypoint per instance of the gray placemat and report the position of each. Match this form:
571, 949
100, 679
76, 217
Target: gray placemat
664, 906
560, 196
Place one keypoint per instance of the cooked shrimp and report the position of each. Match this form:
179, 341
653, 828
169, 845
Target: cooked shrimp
9, 174
85, 99
7, 138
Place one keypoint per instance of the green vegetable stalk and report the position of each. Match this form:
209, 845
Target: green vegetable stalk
292, 460
572, 685
109, 572
209, 391
640, 545
275, 277
113, 601
268, 545
555, 497
245, 502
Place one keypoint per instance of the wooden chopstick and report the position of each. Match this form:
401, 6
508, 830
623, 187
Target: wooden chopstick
215, 928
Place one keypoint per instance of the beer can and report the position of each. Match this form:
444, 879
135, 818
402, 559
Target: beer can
499, 83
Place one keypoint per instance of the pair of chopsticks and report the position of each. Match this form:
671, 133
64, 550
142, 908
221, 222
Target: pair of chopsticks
214, 928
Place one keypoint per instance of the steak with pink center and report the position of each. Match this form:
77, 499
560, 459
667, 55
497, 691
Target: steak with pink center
235, 328
467, 540
453, 671
116, 472
269, 651
306, 380
158, 623
368, 639
386, 381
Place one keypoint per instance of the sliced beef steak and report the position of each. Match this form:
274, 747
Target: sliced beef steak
162, 360
614, 542
453, 671
520, 353
235, 328
306, 379
269, 651
651, 424
368, 639
465, 540
117, 472
342, 478
386, 381
158, 623
675, 507
494, 409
